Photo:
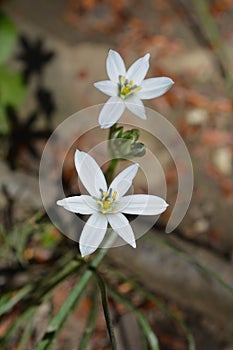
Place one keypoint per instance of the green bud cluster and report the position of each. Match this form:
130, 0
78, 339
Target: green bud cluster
123, 144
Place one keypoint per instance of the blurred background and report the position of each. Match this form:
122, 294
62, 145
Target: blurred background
51, 53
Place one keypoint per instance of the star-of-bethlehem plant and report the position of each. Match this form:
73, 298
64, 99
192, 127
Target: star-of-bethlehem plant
108, 204
128, 88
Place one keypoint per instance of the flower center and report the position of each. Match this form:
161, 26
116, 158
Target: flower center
107, 202
126, 87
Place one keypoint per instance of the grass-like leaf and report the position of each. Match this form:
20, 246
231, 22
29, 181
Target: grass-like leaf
188, 257
90, 322
25, 336
19, 323
107, 315
150, 296
150, 335
71, 302
7, 305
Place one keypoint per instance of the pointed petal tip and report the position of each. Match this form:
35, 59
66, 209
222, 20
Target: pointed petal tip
77, 152
97, 83
85, 250
133, 244
171, 81
164, 206
83, 254
113, 52
60, 202
105, 126
76, 155
147, 56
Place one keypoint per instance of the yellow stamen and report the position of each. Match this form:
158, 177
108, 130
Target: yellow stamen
122, 80
105, 194
131, 82
114, 195
136, 89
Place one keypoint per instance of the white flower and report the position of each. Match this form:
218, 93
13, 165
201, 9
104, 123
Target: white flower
127, 89
106, 205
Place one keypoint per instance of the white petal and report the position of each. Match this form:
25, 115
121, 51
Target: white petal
138, 70
123, 181
141, 204
107, 87
121, 226
154, 87
79, 204
115, 66
135, 105
111, 112
90, 173
93, 233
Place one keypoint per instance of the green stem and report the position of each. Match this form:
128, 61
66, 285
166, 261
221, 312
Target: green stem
112, 130
110, 171
107, 315
113, 163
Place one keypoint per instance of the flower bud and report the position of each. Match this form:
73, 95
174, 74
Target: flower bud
124, 144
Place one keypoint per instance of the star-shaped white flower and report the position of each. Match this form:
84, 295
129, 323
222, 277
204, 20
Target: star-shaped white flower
106, 205
128, 88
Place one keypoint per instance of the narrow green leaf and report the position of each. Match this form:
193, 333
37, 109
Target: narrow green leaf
143, 340
151, 337
19, 323
8, 305
72, 301
188, 257
59, 319
90, 322
25, 336
107, 315
150, 296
